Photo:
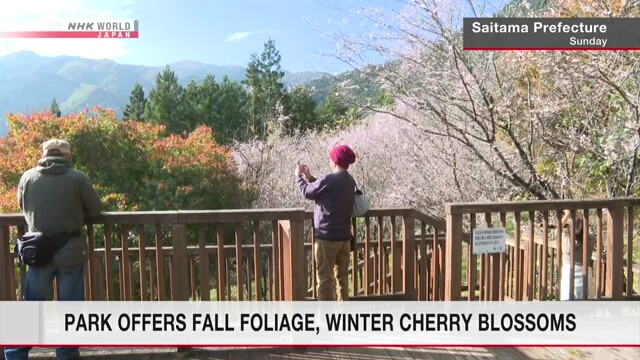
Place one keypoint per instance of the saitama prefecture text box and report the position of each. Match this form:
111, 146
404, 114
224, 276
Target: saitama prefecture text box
551, 33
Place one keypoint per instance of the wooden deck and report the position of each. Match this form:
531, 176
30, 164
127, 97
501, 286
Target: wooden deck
356, 353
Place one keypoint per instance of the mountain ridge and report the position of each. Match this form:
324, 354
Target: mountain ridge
30, 81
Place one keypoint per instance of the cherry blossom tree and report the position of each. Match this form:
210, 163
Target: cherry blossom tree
393, 167
546, 124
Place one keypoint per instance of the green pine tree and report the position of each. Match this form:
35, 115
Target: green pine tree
137, 103
223, 109
264, 79
301, 110
55, 110
231, 116
164, 104
209, 101
191, 107
331, 112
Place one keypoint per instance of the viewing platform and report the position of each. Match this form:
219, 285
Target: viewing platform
401, 254
356, 354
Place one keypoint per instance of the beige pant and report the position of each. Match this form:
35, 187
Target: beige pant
578, 283
332, 264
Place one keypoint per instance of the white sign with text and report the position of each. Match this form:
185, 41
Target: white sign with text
489, 241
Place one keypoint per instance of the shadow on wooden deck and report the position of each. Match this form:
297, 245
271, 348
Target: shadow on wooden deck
352, 353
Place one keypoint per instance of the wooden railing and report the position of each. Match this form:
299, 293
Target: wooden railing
193, 255
531, 267
161, 255
387, 242
268, 254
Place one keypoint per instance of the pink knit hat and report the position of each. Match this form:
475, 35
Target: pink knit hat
343, 156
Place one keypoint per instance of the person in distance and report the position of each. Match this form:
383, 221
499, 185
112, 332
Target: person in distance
56, 200
334, 196
582, 267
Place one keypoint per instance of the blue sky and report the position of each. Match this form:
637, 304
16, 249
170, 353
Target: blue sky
222, 32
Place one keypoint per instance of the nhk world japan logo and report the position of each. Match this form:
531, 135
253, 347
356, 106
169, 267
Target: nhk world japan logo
115, 29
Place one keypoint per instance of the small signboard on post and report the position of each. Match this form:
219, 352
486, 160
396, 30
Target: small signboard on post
489, 241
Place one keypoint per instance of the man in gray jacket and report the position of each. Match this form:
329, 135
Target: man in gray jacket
55, 198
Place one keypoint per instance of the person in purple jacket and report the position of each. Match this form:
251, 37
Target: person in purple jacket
334, 195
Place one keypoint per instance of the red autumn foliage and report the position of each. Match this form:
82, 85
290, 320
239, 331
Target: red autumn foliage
133, 165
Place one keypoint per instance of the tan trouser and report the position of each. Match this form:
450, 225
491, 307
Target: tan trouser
332, 264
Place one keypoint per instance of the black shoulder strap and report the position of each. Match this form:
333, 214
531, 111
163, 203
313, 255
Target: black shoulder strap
358, 190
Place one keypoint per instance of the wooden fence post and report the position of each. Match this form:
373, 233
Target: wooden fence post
453, 257
294, 260
408, 263
6, 265
615, 231
494, 275
180, 268
179, 264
